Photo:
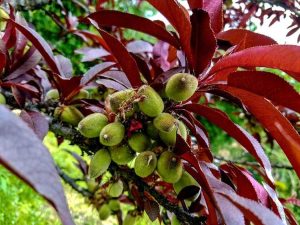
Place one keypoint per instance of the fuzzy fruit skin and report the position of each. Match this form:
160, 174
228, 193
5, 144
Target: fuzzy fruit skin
68, 114
182, 131
139, 142
129, 219
52, 94
99, 163
82, 94
145, 164
169, 138
2, 99
151, 130
169, 167
151, 104
118, 98
115, 189
121, 154
114, 204
104, 212
164, 122
112, 134
185, 180
181, 86
92, 125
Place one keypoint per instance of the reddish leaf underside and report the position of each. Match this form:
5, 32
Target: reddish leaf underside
283, 57
215, 11
278, 126
23, 154
203, 41
267, 85
121, 19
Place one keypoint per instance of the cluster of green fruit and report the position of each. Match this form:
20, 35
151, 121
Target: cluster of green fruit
150, 147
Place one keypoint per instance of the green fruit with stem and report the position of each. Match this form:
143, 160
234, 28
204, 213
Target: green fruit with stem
181, 86
145, 164
151, 130
82, 94
99, 163
151, 103
52, 94
92, 125
112, 134
115, 189
104, 212
182, 131
164, 122
2, 99
121, 154
114, 204
68, 114
129, 219
139, 142
169, 167
120, 102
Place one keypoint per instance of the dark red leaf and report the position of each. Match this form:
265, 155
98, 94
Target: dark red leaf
24, 154
181, 146
40, 44
267, 85
91, 54
2, 56
188, 192
220, 119
249, 38
36, 121
126, 61
121, 19
195, 4
290, 217
273, 56
215, 11
152, 209
276, 124
179, 18
203, 41
143, 67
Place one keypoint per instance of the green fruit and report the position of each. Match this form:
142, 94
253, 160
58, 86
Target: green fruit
169, 167
52, 94
104, 212
129, 219
82, 94
91, 184
145, 164
181, 86
114, 204
99, 163
182, 131
68, 114
169, 138
175, 221
151, 103
117, 100
121, 154
92, 125
164, 122
112, 134
115, 189
139, 142
151, 130
185, 181
2, 99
